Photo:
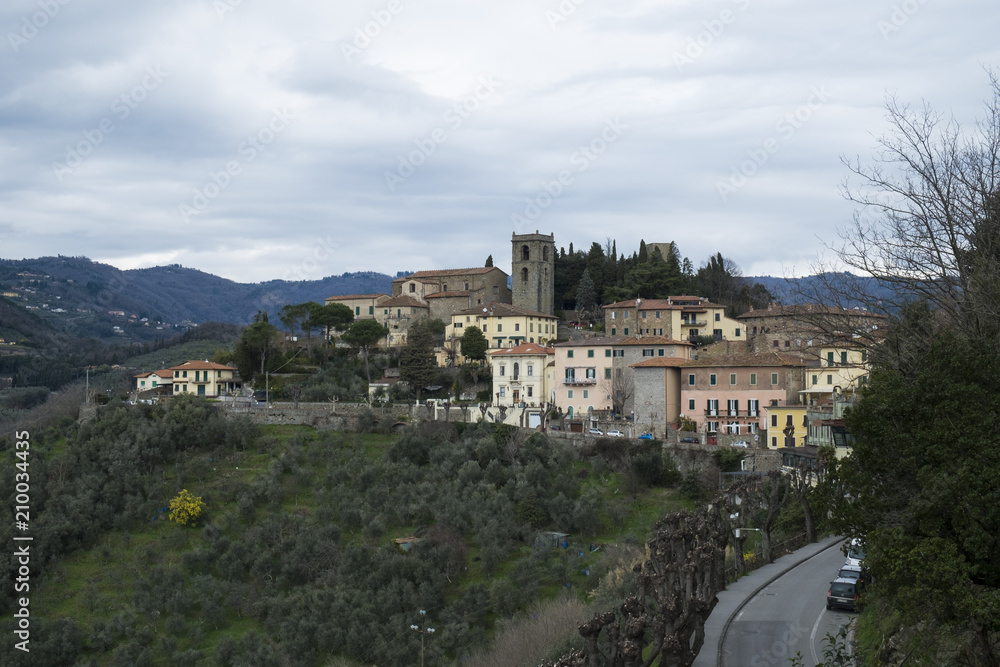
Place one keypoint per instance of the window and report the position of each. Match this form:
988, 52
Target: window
371, 310
733, 407
466, 286
788, 420
717, 317
625, 315
619, 353
829, 358
691, 379
713, 407
529, 391
503, 391
570, 374
753, 379
517, 326
531, 327
737, 332
843, 358
776, 343
752, 407
644, 314
502, 369
413, 287
591, 374
607, 373
647, 353
713, 427
545, 253
711, 379
659, 352
607, 353
524, 275
484, 328
517, 370
626, 331
357, 310
525, 253
658, 332
569, 353
570, 393
815, 379
586, 394
690, 404
774, 421
829, 379
657, 315
531, 370
732, 378
590, 354
614, 315
499, 327
774, 379
614, 331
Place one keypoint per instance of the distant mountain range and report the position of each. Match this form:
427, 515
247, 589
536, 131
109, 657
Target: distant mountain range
87, 298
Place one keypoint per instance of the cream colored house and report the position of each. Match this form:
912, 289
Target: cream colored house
504, 325
677, 317
584, 377
154, 380
519, 374
205, 378
842, 369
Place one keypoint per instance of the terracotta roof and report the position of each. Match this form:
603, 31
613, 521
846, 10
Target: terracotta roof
652, 340
778, 310
523, 349
448, 294
404, 301
163, 373
345, 297
201, 366
670, 303
503, 310
443, 273
748, 359
660, 362
603, 341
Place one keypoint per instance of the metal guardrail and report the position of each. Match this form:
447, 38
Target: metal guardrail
755, 560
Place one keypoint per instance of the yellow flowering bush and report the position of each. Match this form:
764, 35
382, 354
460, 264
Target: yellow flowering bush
186, 508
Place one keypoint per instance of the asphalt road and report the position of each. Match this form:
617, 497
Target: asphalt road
787, 616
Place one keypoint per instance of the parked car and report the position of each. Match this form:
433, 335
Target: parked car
595, 431
646, 436
843, 594
853, 572
740, 443
615, 433
855, 553
260, 395
694, 440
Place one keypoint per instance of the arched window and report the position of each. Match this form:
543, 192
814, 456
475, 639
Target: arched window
524, 275
545, 253
525, 253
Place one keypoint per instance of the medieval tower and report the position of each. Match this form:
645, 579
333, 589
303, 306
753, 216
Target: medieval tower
532, 271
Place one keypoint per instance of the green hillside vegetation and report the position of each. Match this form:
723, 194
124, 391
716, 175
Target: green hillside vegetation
294, 560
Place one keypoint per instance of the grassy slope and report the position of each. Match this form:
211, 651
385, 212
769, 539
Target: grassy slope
93, 586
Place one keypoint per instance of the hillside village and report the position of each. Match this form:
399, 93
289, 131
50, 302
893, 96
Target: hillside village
659, 368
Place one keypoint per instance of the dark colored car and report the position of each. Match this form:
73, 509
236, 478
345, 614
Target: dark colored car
694, 440
260, 395
843, 594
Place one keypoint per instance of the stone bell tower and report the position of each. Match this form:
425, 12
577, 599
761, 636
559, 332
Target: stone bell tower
532, 269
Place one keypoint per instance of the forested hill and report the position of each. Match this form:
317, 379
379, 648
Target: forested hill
170, 294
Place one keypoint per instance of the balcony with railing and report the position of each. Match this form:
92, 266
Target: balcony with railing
579, 381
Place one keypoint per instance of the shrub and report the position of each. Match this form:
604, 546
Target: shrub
186, 508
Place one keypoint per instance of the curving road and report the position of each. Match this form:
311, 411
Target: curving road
787, 616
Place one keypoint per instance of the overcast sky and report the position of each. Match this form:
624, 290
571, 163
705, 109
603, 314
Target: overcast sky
259, 140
